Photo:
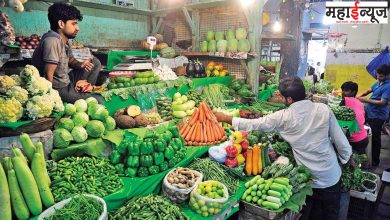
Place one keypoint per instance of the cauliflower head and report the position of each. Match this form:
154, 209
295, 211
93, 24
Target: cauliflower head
29, 73
56, 99
18, 93
10, 110
38, 86
39, 107
17, 79
6, 82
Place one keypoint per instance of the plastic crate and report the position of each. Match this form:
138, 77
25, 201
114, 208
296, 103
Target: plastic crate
360, 209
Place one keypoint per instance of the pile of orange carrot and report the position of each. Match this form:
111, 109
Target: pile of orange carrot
202, 128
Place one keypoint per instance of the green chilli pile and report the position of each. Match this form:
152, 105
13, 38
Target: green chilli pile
148, 207
79, 175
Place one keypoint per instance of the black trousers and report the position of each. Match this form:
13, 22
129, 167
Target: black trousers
70, 95
376, 128
324, 204
360, 146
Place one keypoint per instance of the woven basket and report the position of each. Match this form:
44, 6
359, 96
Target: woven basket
35, 126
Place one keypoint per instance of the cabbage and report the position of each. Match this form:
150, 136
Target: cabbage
101, 113
230, 35
221, 45
70, 109
244, 45
61, 138
91, 100
80, 119
79, 134
241, 33
209, 35
212, 46
95, 128
110, 123
232, 45
81, 105
65, 123
219, 35
203, 46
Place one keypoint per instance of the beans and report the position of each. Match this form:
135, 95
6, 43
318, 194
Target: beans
148, 207
77, 175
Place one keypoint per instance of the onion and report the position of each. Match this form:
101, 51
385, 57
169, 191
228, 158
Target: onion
34, 36
32, 43
29, 47
27, 39
23, 43
19, 39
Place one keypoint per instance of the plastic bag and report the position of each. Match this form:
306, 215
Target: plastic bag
199, 202
382, 58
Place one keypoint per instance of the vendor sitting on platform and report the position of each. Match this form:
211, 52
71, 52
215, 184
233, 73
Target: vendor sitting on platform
358, 140
310, 129
53, 57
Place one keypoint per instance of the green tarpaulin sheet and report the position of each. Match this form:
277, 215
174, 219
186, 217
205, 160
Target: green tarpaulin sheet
117, 102
116, 57
353, 126
266, 94
15, 125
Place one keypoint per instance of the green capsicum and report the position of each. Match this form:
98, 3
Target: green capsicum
164, 166
174, 131
146, 148
131, 172
150, 134
146, 160
143, 172
158, 158
133, 149
132, 161
167, 136
120, 168
172, 162
154, 170
122, 148
159, 146
176, 144
169, 152
115, 157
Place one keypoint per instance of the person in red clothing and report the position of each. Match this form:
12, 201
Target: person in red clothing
358, 140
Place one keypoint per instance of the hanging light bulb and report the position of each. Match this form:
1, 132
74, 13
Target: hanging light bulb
246, 3
277, 27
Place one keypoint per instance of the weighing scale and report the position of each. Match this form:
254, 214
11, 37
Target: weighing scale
138, 62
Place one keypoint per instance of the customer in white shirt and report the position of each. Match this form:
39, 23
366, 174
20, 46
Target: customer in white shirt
310, 128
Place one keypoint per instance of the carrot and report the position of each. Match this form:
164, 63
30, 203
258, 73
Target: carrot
255, 160
195, 117
182, 129
198, 131
212, 138
188, 135
185, 132
248, 165
193, 134
201, 115
204, 131
202, 137
217, 134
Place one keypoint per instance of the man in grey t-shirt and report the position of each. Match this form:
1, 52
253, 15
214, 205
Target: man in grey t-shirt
54, 57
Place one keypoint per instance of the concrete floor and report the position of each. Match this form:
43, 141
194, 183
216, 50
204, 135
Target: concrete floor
384, 205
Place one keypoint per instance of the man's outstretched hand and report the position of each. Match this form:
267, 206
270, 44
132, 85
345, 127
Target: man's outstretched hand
83, 86
87, 65
223, 118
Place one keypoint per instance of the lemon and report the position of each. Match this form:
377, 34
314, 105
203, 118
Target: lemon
205, 214
203, 209
201, 202
208, 189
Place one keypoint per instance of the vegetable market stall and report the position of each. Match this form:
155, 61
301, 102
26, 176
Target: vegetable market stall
115, 101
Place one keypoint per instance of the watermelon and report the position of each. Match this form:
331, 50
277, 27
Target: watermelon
203, 46
241, 33
221, 45
210, 35
212, 46
219, 35
232, 45
244, 45
230, 35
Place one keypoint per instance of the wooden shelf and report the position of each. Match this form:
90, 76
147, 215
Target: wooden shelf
95, 5
218, 55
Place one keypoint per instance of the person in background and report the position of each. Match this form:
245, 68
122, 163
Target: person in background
309, 128
53, 56
377, 109
358, 140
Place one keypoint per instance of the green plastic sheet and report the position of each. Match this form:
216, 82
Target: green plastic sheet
15, 125
353, 126
147, 185
266, 94
116, 57
117, 102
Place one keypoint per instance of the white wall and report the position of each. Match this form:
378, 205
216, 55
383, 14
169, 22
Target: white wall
365, 36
